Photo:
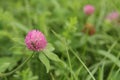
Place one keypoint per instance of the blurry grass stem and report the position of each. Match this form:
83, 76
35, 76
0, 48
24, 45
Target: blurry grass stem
11, 72
83, 64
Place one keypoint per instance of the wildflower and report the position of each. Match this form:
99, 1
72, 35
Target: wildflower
35, 40
89, 28
89, 9
112, 16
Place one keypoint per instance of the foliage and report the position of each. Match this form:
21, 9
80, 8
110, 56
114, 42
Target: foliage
71, 54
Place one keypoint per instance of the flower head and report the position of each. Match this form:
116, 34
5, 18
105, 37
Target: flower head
35, 40
88, 9
89, 28
112, 16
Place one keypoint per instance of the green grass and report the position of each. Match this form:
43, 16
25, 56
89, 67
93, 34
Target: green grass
82, 57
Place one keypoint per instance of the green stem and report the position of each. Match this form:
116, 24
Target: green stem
11, 72
113, 67
83, 64
69, 61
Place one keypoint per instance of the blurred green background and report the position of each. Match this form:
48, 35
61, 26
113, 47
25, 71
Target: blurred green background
62, 22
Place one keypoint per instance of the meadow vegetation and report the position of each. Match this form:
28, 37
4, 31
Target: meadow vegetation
88, 46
